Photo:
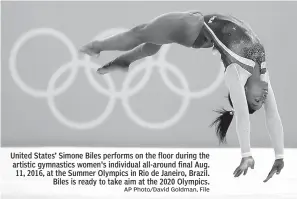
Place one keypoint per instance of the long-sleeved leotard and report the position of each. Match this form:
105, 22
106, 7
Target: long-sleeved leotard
273, 120
227, 33
235, 78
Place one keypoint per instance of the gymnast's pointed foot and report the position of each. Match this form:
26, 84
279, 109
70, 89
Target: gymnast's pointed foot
117, 64
91, 49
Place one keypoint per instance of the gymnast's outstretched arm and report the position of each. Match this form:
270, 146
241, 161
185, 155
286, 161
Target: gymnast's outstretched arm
275, 128
273, 120
234, 81
235, 78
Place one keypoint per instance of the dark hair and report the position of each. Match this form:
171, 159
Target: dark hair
223, 121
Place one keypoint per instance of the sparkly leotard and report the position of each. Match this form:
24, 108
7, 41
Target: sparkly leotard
236, 42
241, 51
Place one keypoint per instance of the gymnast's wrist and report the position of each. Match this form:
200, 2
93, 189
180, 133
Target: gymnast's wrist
279, 157
246, 155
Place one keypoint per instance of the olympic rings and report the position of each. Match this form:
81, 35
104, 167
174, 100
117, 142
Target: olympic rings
21, 41
161, 64
63, 119
140, 121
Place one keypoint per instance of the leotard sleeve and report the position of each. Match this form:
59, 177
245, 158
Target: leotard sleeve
273, 120
235, 79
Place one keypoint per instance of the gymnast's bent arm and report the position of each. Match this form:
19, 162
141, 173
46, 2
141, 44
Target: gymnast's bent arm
234, 82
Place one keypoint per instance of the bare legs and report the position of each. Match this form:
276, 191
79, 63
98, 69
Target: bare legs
146, 39
123, 61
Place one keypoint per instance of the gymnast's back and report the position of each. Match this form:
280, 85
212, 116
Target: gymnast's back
234, 34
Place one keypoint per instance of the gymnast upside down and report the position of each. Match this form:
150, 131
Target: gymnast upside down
242, 54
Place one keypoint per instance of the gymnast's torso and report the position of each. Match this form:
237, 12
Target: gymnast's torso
227, 33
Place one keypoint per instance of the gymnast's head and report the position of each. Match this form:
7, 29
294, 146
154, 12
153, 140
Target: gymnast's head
256, 92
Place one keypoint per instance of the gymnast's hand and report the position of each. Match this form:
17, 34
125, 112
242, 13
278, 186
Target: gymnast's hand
90, 49
244, 165
276, 168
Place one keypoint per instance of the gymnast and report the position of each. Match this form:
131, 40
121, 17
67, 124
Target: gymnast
243, 55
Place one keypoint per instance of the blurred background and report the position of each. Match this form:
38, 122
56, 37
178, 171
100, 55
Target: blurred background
27, 119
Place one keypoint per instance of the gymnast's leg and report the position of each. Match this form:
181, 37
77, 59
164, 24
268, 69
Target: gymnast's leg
123, 61
178, 27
